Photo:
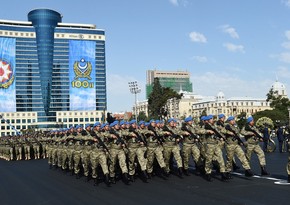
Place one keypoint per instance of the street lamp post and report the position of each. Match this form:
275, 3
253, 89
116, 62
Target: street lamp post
134, 89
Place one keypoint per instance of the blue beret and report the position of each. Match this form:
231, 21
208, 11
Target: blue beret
188, 119
122, 122
79, 126
147, 124
221, 116
97, 124
250, 119
87, 125
132, 122
152, 120
141, 122
209, 117
161, 121
231, 118
203, 117
170, 120
114, 123
157, 121
71, 127
104, 124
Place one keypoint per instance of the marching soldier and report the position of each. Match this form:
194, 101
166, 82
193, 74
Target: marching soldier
172, 138
190, 145
136, 148
78, 149
233, 148
117, 152
253, 138
154, 148
213, 148
98, 154
288, 163
87, 148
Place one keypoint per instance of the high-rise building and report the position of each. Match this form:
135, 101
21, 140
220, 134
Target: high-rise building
48, 68
176, 80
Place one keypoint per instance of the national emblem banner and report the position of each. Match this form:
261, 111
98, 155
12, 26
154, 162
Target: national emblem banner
7, 75
82, 75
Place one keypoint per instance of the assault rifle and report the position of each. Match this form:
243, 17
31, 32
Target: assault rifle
156, 136
257, 135
100, 141
191, 136
217, 133
236, 136
139, 137
119, 138
172, 134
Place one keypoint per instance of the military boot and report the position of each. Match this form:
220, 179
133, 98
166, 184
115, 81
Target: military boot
208, 177
224, 176
235, 166
186, 172
263, 171
164, 172
107, 180
125, 178
228, 175
113, 180
131, 178
180, 172
288, 178
78, 176
248, 173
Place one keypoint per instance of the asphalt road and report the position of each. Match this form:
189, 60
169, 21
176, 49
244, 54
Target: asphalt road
32, 182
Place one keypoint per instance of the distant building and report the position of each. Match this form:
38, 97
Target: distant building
279, 88
52, 73
231, 106
171, 79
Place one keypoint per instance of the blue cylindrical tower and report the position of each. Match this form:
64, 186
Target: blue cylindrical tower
45, 21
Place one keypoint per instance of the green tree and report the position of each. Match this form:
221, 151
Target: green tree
158, 98
277, 101
142, 116
241, 119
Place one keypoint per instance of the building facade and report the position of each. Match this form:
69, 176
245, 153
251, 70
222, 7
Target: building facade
171, 79
51, 68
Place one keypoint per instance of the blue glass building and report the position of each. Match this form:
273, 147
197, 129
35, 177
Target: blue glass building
42, 63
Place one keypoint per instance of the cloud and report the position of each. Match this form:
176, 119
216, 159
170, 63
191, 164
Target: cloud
286, 2
230, 30
174, 2
287, 33
284, 57
283, 72
7, 100
286, 45
83, 100
210, 83
234, 48
197, 37
201, 59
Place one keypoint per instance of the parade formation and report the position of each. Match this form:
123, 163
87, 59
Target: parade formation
127, 150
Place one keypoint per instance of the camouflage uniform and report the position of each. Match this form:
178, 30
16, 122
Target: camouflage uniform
154, 148
288, 163
253, 144
191, 146
171, 146
117, 152
233, 148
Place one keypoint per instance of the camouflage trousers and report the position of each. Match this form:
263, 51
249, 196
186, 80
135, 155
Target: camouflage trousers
154, 151
232, 150
77, 160
18, 151
59, 151
258, 150
67, 158
190, 150
212, 149
27, 152
138, 152
98, 157
172, 149
117, 154
85, 156
36, 149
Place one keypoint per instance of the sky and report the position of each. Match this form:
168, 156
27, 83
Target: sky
238, 47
